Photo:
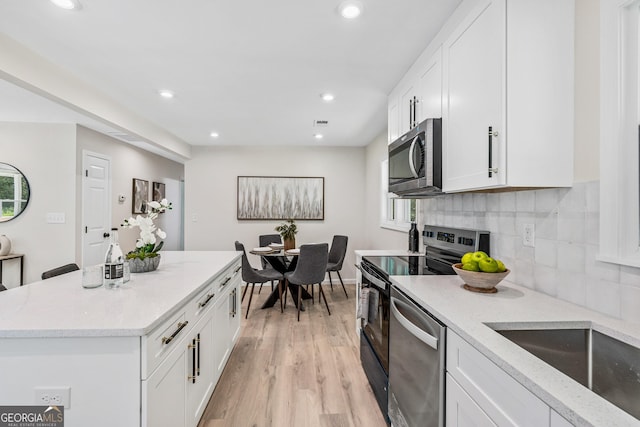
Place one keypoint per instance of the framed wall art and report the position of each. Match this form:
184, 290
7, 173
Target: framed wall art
140, 196
280, 197
158, 191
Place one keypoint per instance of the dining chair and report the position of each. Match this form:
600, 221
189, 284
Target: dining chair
265, 240
251, 275
336, 258
311, 268
67, 268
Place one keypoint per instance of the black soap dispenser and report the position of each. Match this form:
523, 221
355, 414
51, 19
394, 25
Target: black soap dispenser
414, 238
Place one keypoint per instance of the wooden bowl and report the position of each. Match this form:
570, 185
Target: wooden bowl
479, 281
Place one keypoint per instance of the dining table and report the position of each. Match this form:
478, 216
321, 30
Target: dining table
283, 261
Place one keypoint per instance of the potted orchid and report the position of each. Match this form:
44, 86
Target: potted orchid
145, 256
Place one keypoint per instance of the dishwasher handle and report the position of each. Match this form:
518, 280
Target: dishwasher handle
429, 340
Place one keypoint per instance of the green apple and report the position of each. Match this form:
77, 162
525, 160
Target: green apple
479, 256
488, 265
466, 257
501, 266
471, 266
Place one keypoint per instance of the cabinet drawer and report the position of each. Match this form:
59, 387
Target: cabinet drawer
462, 411
228, 277
162, 340
501, 397
201, 303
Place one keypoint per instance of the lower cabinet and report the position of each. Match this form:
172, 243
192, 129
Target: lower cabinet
176, 393
479, 393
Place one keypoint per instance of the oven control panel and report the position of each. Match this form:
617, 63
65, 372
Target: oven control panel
456, 239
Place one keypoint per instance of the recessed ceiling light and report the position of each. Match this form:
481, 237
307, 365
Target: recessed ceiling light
67, 4
165, 93
214, 134
318, 136
350, 9
327, 97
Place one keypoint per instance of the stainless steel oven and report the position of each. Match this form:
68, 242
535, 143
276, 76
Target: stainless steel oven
443, 246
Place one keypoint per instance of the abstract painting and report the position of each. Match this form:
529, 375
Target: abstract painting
140, 196
280, 197
158, 191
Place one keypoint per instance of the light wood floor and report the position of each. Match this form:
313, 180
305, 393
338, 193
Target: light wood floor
288, 373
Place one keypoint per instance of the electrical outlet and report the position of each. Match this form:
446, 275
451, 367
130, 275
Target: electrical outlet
529, 235
53, 396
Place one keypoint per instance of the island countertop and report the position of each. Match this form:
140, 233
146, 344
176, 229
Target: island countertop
61, 307
473, 316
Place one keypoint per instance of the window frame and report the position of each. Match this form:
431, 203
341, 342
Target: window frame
395, 213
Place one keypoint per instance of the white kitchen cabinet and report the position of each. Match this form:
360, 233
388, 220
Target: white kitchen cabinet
201, 372
163, 393
393, 118
226, 320
496, 394
430, 88
508, 96
461, 410
417, 97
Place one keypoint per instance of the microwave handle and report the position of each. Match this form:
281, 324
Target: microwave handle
412, 149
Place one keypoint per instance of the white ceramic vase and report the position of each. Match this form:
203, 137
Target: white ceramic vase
5, 245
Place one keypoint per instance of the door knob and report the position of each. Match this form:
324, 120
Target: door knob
105, 235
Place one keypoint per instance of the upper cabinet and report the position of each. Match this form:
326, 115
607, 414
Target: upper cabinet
508, 96
501, 77
417, 97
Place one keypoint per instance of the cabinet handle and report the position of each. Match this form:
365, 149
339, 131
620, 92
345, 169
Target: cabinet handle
415, 111
205, 302
237, 269
490, 151
410, 113
192, 347
198, 351
181, 325
225, 282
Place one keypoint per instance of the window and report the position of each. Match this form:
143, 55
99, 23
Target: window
619, 132
396, 214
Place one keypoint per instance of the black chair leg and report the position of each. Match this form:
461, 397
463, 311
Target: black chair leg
272, 286
330, 281
260, 288
253, 285
345, 289
299, 300
246, 286
280, 294
325, 300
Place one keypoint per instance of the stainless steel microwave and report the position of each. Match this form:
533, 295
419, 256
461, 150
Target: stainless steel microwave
415, 161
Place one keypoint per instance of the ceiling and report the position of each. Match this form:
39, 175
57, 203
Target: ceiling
251, 70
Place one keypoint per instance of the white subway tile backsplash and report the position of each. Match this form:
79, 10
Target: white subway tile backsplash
508, 202
601, 270
563, 262
546, 226
630, 303
467, 202
546, 200
571, 257
480, 202
571, 287
525, 201
546, 252
546, 279
603, 296
571, 226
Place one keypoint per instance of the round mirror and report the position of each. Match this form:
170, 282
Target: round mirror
14, 192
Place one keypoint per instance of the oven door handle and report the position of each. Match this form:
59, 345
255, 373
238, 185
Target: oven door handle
377, 282
429, 340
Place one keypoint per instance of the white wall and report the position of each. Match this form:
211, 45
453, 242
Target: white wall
45, 153
377, 237
128, 162
211, 199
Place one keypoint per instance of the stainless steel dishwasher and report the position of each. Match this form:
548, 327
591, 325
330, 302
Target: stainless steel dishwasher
416, 365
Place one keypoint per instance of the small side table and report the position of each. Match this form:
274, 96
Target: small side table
4, 258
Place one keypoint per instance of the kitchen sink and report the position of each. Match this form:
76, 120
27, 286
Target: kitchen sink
605, 365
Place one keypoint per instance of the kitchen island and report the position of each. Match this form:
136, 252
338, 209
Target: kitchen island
146, 354
471, 319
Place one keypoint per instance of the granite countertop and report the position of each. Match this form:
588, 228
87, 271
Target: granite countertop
468, 314
61, 307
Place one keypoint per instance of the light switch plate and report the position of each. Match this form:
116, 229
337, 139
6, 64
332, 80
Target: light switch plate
56, 218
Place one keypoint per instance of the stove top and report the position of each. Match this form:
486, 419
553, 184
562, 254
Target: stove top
401, 265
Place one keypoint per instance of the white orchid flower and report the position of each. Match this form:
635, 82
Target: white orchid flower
154, 205
148, 230
161, 234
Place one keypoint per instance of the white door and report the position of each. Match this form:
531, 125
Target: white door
96, 207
